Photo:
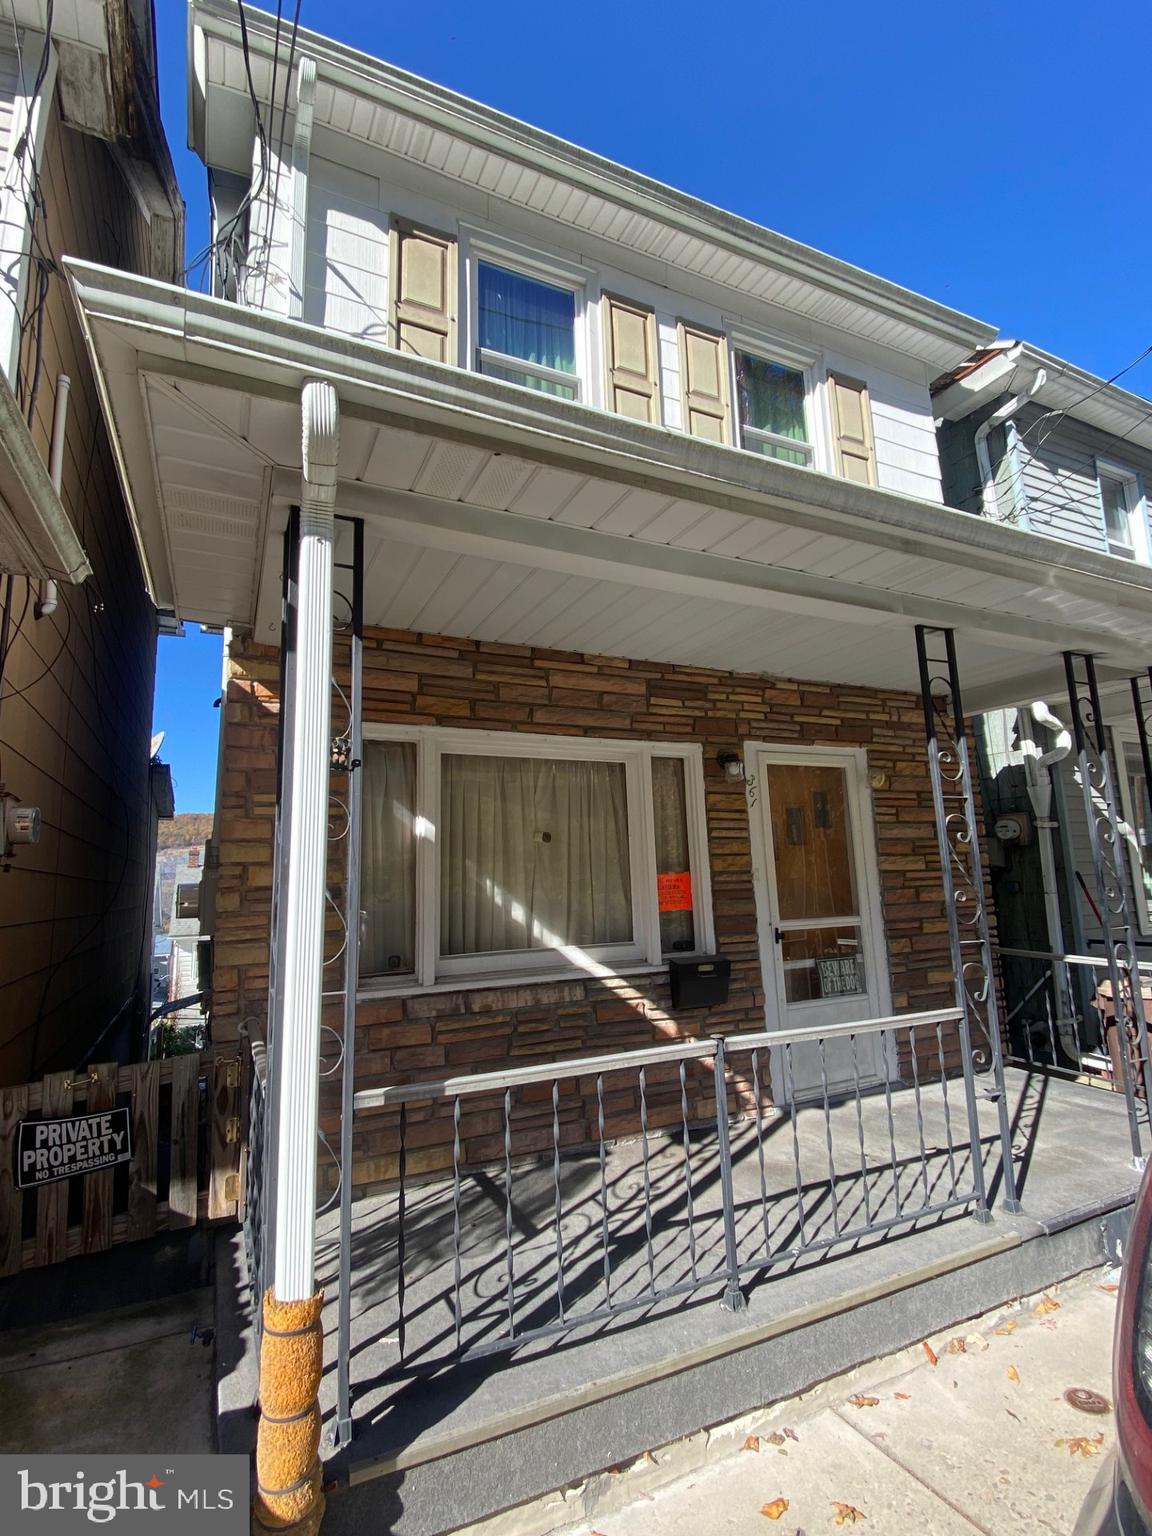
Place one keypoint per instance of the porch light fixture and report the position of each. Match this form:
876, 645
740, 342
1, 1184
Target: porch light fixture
733, 766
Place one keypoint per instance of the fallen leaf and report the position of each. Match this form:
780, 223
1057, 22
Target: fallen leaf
775, 1509
1013, 1373
775, 1438
1008, 1327
1045, 1305
792, 1435
1109, 1290
930, 1352
957, 1347
847, 1514
903, 1397
1083, 1445
860, 1400
752, 1443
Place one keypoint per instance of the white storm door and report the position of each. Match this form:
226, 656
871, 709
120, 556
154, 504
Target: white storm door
820, 920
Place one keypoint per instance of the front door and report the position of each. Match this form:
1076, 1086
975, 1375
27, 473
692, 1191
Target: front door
819, 919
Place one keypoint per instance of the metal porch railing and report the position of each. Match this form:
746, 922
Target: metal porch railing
543, 1199
1045, 1035
256, 1192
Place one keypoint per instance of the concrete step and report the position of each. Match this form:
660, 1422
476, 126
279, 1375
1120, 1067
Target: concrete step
475, 1441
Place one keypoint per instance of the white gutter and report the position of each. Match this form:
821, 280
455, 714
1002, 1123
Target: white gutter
254, 350
49, 597
989, 496
386, 87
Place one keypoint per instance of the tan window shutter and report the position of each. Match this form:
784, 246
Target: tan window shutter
852, 429
423, 293
630, 359
704, 379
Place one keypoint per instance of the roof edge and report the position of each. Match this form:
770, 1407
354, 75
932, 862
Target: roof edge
461, 114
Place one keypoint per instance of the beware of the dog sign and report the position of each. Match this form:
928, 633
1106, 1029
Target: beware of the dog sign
47, 1150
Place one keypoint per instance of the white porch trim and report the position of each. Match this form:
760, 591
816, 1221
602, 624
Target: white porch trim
296, 1022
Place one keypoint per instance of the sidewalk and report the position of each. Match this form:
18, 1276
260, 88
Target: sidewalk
981, 1441
114, 1353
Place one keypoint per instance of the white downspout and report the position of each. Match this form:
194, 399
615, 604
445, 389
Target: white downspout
301, 150
1039, 782
49, 599
309, 748
989, 499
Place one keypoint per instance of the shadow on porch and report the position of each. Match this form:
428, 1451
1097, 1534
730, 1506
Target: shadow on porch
880, 1183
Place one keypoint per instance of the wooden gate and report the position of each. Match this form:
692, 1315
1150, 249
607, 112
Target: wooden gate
187, 1140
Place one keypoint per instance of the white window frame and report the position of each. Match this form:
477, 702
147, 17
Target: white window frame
1135, 504
771, 350
434, 971
477, 246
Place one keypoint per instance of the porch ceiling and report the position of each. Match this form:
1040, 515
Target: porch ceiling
532, 521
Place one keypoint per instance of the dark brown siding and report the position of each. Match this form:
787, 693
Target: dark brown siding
77, 701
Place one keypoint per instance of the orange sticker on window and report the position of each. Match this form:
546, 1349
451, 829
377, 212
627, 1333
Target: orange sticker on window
675, 892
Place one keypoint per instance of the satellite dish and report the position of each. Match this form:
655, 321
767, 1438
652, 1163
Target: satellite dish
157, 743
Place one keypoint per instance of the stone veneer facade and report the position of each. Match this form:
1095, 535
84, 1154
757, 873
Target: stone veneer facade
439, 680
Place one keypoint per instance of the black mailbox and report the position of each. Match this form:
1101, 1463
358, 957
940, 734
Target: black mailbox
701, 982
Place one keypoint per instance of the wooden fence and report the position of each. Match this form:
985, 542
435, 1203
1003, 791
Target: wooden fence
186, 1114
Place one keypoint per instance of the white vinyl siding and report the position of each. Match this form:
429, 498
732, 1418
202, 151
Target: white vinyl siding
1059, 471
346, 267
349, 211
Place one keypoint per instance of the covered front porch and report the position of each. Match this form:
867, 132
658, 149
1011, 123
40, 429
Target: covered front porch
553, 1154
439, 1438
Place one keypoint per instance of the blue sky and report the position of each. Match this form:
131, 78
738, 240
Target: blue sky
993, 157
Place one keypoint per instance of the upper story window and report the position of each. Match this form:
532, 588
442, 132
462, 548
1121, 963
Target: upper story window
526, 331
772, 404
1125, 514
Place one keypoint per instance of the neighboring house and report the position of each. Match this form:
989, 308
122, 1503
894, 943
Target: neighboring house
85, 172
1029, 440
182, 930
584, 552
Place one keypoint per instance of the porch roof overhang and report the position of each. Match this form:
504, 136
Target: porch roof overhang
495, 513
37, 537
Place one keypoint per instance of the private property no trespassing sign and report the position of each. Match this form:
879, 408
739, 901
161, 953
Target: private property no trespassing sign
60, 1149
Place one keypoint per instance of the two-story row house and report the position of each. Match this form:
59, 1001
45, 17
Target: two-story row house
1033, 442
587, 559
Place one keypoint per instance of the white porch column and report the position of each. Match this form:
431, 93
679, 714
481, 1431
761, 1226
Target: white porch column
306, 821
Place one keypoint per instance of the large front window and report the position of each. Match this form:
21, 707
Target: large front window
773, 412
485, 856
526, 331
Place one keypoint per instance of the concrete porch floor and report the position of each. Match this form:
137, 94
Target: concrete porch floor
442, 1444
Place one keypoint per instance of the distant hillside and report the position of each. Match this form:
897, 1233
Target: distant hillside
185, 830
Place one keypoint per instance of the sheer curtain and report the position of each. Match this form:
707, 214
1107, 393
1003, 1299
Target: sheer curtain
772, 399
522, 317
388, 859
534, 854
